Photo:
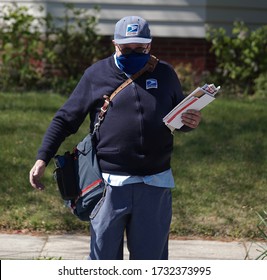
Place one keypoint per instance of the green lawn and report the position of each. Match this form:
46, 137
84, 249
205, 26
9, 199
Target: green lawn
219, 169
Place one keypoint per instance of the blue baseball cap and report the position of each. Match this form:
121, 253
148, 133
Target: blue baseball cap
132, 29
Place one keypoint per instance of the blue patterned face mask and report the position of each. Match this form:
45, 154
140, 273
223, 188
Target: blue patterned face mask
133, 62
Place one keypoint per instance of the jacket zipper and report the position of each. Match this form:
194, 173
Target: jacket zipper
139, 110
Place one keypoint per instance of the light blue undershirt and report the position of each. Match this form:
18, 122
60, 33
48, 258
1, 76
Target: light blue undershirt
163, 179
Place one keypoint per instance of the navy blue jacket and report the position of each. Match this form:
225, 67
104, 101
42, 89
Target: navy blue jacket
132, 140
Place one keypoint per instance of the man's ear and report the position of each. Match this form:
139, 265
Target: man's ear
117, 50
148, 48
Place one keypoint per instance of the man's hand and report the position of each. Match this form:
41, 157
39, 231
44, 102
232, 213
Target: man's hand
191, 118
36, 173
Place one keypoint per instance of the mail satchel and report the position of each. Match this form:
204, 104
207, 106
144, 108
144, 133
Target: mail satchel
79, 178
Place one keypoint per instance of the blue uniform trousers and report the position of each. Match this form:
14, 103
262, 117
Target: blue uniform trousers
143, 212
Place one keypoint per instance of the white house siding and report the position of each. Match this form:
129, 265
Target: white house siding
224, 12
178, 26
167, 18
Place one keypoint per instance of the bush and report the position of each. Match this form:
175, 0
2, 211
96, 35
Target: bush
241, 57
187, 77
19, 48
72, 47
53, 59
261, 85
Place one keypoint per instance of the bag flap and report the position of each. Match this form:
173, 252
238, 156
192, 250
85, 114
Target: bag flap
85, 145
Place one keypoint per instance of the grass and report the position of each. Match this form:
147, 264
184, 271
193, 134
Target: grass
219, 169
262, 226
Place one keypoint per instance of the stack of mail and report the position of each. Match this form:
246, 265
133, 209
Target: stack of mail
196, 100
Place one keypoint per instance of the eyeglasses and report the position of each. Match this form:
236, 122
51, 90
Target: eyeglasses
126, 51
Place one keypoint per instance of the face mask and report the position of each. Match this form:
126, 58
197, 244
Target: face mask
132, 63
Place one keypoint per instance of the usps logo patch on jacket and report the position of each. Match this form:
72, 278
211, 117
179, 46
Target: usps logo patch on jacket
132, 29
151, 83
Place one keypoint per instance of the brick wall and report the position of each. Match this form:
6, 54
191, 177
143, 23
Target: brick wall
181, 50
184, 50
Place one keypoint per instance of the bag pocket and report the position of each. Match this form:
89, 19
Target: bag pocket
87, 202
98, 205
65, 177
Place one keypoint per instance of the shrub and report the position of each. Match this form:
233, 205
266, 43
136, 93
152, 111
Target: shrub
52, 59
19, 48
186, 76
261, 85
241, 57
71, 47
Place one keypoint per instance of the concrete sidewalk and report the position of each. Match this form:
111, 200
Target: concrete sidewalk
76, 247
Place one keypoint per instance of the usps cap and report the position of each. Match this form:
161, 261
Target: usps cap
132, 29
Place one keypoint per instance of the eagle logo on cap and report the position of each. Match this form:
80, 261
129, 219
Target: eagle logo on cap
132, 29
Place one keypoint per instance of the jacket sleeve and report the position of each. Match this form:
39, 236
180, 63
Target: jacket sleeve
67, 120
